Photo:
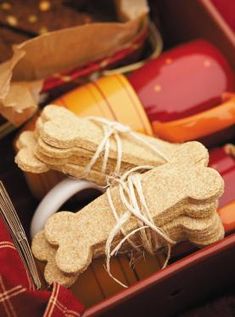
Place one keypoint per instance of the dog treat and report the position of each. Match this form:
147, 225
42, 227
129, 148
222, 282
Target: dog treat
182, 228
186, 215
27, 161
199, 231
25, 158
83, 235
43, 251
102, 284
197, 153
66, 130
94, 148
37, 17
47, 149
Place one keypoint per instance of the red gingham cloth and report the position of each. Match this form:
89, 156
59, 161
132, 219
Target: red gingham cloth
18, 296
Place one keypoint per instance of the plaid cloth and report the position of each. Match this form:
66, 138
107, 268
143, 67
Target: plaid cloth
18, 296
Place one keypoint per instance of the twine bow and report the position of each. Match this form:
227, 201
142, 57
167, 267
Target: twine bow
115, 129
131, 194
132, 197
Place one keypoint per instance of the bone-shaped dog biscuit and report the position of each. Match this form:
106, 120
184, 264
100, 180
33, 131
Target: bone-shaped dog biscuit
83, 159
52, 156
69, 131
29, 145
79, 235
88, 286
135, 147
25, 157
43, 251
77, 134
27, 160
37, 154
200, 231
194, 153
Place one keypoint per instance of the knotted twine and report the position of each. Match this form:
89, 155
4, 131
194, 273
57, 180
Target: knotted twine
130, 192
115, 129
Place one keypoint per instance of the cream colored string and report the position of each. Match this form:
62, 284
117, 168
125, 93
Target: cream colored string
130, 192
115, 214
113, 128
129, 185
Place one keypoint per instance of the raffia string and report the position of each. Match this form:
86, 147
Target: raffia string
114, 129
131, 194
132, 197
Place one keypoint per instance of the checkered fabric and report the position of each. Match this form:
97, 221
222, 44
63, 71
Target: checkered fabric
18, 296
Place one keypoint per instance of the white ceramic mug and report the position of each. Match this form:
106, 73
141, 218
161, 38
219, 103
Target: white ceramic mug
55, 198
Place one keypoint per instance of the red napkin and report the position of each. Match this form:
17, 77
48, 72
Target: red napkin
18, 296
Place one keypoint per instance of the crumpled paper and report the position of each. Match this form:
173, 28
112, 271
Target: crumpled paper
21, 77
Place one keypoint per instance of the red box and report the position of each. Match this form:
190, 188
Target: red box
205, 272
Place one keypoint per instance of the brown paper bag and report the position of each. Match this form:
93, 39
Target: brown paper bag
21, 77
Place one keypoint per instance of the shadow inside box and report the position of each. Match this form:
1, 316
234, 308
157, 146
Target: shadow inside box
190, 19
222, 305
187, 283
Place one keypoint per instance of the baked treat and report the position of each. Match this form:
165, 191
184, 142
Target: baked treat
70, 240
21, 20
41, 16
